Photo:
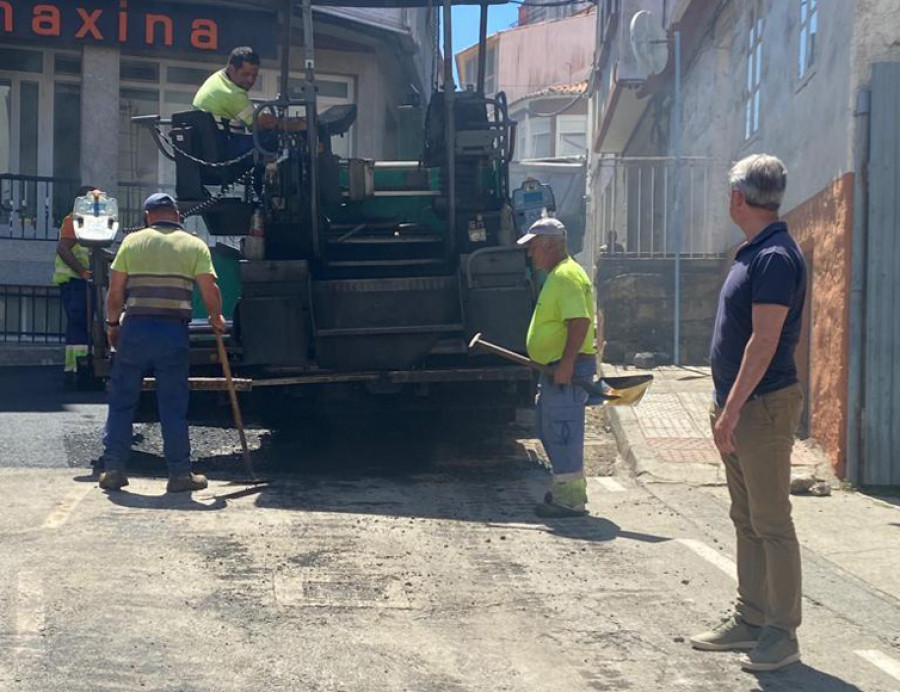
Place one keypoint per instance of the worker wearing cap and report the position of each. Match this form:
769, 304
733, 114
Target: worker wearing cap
152, 282
72, 273
562, 335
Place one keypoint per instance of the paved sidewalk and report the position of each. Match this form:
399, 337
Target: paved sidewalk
668, 437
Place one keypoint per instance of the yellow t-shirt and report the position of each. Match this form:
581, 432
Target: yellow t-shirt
567, 295
162, 262
225, 99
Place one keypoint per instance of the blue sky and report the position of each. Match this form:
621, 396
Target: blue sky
466, 18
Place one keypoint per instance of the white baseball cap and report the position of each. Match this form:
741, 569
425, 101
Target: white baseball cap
547, 226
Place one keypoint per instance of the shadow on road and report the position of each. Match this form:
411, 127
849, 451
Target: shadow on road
410, 466
181, 502
802, 677
39, 389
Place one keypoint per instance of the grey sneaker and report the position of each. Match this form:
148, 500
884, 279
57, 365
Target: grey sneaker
775, 649
186, 483
732, 635
114, 479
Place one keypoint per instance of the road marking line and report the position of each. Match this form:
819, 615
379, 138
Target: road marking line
64, 509
710, 555
889, 665
609, 484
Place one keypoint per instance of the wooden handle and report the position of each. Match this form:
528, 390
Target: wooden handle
478, 342
235, 407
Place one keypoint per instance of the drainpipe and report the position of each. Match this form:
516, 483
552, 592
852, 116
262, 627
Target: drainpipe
856, 377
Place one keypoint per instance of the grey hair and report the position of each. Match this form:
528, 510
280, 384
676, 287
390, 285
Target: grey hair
761, 178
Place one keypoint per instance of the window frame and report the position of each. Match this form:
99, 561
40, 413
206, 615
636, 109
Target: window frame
566, 125
752, 97
807, 33
533, 132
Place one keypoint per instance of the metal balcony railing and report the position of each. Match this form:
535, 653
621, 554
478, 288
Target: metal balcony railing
31, 314
634, 207
32, 207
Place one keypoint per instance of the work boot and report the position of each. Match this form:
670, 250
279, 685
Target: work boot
552, 508
114, 479
732, 635
775, 649
187, 483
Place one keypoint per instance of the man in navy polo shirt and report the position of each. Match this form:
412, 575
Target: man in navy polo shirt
758, 402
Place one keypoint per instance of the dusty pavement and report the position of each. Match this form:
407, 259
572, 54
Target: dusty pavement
410, 560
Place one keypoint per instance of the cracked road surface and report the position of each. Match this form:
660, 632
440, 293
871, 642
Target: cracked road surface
392, 555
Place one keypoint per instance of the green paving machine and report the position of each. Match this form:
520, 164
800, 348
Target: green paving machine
356, 276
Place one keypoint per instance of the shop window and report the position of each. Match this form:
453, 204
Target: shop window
28, 128
188, 75
21, 60
324, 89
66, 143
67, 64
138, 71
177, 101
6, 134
138, 155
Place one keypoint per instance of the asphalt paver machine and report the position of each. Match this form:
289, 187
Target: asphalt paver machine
360, 275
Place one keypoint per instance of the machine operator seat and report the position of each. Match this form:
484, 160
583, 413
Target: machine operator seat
197, 133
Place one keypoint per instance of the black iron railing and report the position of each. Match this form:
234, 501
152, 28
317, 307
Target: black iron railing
32, 206
31, 314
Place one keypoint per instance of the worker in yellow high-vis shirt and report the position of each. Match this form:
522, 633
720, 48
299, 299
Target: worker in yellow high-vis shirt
562, 335
151, 284
225, 96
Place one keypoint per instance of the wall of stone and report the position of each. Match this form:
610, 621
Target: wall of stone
823, 224
635, 304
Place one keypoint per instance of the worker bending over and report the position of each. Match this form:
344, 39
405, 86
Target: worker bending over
562, 334
152, 281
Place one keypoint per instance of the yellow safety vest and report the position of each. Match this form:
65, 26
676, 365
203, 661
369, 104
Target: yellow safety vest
62, 272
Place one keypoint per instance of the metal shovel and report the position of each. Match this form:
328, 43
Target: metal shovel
608, 391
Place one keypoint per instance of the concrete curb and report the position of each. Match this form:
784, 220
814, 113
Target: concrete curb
642, 460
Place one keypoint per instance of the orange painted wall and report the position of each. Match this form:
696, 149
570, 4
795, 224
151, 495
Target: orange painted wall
825, 223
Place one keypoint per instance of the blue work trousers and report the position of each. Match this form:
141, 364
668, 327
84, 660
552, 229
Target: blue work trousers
158, 346
560, 421
75, 302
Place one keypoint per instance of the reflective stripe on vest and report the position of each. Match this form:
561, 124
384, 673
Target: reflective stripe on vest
159, 295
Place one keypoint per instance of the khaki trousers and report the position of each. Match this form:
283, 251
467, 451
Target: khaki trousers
759, 478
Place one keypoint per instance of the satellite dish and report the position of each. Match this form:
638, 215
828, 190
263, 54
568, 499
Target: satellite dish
649, 43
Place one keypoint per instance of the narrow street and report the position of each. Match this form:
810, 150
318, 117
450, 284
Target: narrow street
380, 565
